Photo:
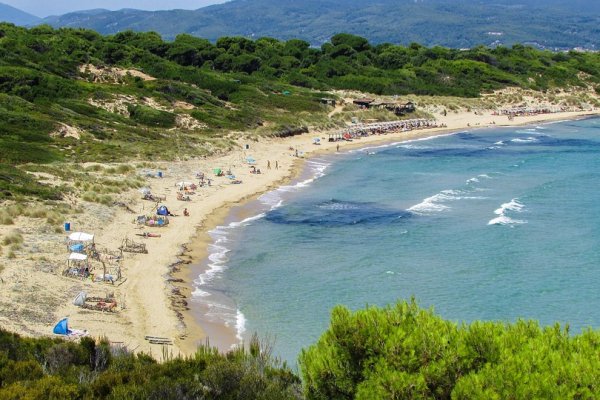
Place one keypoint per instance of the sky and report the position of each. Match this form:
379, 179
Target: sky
44, 8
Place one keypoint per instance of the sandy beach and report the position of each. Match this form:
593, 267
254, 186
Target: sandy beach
153, 297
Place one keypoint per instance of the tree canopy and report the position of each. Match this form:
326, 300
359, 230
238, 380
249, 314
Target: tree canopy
405, 352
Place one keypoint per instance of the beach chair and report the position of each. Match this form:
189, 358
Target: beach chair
128, 245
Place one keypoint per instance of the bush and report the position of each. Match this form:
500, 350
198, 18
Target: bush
406, 352
152, 117
13, 237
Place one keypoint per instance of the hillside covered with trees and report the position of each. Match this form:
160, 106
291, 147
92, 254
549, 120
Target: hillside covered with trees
75, 95
397, 352
451, 23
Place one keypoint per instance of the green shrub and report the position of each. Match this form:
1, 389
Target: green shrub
406, 352
152, 117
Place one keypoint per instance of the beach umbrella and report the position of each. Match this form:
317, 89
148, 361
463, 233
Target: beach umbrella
81, 237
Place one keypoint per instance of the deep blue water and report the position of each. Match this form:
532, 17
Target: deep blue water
494, 224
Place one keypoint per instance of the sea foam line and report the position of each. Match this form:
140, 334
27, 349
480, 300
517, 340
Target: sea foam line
435, 204
503, 219
217, 250
526, 140
400, 143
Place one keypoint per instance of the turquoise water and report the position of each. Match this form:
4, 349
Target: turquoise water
494, 224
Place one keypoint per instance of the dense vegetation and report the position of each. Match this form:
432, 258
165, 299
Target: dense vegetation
404, 352
43, 369
400, 352
454, 23
236, 84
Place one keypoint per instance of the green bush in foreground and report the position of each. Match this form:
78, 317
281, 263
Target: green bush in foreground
399, 352
53, 369
404, 352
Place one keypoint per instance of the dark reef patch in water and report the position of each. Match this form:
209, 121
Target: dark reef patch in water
334, 213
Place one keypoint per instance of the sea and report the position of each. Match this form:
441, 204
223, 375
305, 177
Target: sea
486, 224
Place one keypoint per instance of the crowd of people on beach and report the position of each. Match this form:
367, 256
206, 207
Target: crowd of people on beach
527, 111
379, 128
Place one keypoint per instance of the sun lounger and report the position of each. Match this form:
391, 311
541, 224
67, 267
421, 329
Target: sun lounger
128, 245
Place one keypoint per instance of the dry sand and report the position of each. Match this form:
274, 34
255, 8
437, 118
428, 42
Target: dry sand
152, 300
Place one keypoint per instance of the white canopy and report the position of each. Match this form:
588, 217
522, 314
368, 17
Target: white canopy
77, 256
81, 236
184, 183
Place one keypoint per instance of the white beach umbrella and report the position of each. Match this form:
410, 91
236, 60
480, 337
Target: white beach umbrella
81, 236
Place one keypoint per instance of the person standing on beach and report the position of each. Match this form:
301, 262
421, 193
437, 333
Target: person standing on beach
276, 165
337, 148
268, 164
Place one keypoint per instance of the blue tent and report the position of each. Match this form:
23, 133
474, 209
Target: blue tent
62, 328
162, 210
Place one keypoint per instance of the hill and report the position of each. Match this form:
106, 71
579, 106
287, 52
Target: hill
456, 23
16, 16
74, 95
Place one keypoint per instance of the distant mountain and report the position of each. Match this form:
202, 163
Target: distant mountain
452, 23
16, 16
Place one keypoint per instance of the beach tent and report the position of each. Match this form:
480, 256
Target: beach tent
79, 300
250, 160
62, 327
162, 210
81, 237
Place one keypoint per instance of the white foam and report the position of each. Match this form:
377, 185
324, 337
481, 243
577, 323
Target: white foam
246, 222
435, 204
402, 143
526, 140
504, 220
430, 205
500, 143
218, 259
240, 325
200, 293
274, 200
513, 206
413, 147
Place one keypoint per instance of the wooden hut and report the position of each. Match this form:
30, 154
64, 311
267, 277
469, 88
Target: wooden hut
327, 101
363, 102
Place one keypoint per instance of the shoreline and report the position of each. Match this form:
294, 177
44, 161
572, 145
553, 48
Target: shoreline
200, 265
155, 298
198, 252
